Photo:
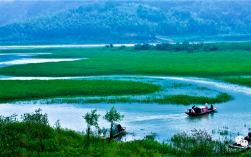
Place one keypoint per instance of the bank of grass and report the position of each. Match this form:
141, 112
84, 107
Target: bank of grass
14, 90
239, 80
87, 91
127, 61
168, 99
34, 137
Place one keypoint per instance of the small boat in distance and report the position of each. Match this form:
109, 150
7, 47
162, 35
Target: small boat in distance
120, 131
200, 110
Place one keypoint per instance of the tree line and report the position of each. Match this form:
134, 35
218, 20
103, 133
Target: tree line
191, 47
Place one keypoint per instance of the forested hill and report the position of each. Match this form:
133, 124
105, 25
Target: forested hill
15, 11
117, 21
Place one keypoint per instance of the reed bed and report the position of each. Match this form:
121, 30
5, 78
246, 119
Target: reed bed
168, 99
239, 80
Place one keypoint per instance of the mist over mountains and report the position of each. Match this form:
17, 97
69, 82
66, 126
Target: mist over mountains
120, 21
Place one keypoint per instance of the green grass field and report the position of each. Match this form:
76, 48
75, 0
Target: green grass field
222, 65
13, 90
82, 91
113, 61
239, 80
36, 139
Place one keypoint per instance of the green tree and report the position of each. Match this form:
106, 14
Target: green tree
91, 120
113, 116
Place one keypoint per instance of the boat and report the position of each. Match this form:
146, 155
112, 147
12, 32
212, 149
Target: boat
240, 146
200, 110
120, 131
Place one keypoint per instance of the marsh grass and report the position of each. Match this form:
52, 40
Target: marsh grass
168, 99
37, 89
104, 90
179, 85
239, 80
136, 62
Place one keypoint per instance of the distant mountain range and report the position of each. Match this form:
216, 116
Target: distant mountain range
24, 22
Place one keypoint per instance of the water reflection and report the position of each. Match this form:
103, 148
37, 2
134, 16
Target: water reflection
195, 119
8, 59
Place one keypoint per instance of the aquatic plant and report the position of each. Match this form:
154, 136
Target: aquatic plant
223, 132
168, 99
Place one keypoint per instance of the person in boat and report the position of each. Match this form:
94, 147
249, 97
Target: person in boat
211, 108
119, 127
206, 106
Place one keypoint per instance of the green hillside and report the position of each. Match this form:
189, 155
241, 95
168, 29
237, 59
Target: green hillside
128, 22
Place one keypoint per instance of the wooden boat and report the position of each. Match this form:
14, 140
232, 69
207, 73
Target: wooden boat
120, 131
240, 147
200, 111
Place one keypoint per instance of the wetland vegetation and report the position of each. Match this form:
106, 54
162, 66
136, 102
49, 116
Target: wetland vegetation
21, 138
125, 22
127, 61
13, 90
180, 99
107, 90
34, 137
246, 81
213, 60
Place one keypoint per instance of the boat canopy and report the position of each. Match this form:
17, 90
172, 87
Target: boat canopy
200, 109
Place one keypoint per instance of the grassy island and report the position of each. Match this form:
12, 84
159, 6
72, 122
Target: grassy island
96, 91
13, 90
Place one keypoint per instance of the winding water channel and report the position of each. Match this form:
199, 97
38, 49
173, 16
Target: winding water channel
143, 119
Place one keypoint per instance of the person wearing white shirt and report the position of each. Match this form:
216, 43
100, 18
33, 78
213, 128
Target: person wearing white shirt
206, 106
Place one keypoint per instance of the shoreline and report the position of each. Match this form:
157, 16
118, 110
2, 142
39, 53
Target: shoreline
60, 46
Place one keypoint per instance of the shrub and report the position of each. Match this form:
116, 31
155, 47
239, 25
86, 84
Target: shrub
142, 47
200, 143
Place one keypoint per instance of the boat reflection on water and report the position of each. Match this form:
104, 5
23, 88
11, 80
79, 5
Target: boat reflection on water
195, 119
